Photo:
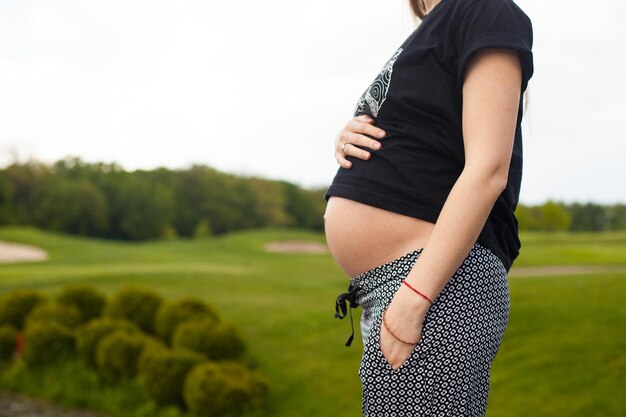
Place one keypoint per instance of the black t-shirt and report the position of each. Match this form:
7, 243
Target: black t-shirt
417, 99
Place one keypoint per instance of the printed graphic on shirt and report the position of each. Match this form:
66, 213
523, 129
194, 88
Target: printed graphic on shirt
374, 96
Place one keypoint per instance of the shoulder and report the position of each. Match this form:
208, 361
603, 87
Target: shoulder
479, 24
488, 15
505, 7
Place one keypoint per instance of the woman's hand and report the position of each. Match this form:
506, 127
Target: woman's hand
354, 134
404, 317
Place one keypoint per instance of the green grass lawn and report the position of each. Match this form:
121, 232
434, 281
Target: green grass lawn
563, 353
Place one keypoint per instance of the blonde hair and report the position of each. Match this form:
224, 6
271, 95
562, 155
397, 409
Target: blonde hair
418, 9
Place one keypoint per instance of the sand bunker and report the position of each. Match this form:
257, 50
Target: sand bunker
17, 252
302, 246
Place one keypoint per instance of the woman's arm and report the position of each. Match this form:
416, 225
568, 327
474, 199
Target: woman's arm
491, 94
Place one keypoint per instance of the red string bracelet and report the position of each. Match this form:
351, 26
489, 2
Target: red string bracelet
408, 285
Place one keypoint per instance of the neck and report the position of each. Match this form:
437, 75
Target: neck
430, 4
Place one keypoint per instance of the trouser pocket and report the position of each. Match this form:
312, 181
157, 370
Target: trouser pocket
374, 364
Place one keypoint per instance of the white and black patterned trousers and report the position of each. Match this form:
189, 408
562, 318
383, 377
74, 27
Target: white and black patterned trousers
448, 372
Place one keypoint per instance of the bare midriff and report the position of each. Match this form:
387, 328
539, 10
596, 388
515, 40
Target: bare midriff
361, 237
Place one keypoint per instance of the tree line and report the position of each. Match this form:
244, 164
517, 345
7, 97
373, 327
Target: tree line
104, 200
574, 217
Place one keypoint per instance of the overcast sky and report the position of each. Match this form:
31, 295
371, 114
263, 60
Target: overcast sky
263, 87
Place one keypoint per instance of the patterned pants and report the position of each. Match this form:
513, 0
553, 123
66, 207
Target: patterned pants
448, 372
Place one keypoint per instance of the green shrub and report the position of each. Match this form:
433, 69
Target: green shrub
224, 389
202, 229
136, 304
47, 341
86, 298
89, 334
16, 305
163, 373
8, 337
67, 315
215, 340
172, 313
118, 353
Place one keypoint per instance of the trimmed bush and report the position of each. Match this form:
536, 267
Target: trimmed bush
136, 304
217, 341
118, 353
47, 341
224, 389
67, 315
172, 313
8, 337
163, 373
86, 298
16, 305
89, 334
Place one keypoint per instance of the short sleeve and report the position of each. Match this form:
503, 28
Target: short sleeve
494, 24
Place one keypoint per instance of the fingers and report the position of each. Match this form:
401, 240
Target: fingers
363, 124
351, 140
354, 135
348, 149
341, 151
339, 156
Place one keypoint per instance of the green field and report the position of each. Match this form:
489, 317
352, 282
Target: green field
563, 354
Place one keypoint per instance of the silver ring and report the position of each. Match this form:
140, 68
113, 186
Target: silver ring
343, 146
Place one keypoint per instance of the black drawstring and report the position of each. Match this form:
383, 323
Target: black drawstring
341, 308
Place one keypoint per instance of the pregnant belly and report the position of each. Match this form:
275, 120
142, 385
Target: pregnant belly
361, 237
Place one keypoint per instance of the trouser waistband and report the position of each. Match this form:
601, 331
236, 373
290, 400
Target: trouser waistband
364, 283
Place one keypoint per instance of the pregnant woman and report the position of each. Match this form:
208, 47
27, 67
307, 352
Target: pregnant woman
420, 214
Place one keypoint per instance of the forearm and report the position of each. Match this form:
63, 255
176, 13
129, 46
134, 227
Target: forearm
459, 224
